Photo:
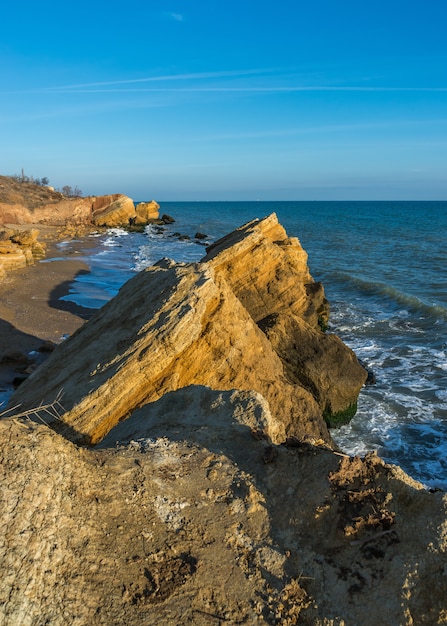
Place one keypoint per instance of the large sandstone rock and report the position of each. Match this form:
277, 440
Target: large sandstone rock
319, 362
268, 272
177, 325
169, 327
193, 520
113, 211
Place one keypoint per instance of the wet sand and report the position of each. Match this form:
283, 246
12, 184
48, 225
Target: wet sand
31, 312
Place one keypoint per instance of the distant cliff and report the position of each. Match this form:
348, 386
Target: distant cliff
27, 205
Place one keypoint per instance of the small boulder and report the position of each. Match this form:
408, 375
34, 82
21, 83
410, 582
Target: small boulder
146, 212
167, 219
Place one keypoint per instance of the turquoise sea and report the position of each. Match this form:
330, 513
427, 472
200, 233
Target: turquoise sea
384, 269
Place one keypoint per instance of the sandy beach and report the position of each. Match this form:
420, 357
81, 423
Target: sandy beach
31, 312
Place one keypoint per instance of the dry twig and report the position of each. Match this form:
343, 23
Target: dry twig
53, 410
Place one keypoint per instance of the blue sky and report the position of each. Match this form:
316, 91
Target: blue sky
195, 100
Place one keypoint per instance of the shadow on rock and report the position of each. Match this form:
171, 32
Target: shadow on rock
315, 518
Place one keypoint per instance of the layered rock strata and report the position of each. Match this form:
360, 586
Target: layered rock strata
19, 249
171, 326
174, 325
268, 272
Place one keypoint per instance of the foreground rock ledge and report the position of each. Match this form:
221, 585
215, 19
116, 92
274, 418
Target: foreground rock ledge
193, 520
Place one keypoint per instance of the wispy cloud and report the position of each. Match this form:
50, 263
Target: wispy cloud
214, 82
161, 78
92, 89
99, 87
177, 17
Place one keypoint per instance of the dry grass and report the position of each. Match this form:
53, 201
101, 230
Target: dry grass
53, 410
27, 194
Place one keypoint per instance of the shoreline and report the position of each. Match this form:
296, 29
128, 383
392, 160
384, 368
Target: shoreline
32, 315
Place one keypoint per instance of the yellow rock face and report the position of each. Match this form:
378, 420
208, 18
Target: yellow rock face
172, 326
113, 211
268, 271
110, 211
147, 211
18, 249
13, 259
168, 328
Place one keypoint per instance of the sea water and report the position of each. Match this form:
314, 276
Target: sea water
383, 266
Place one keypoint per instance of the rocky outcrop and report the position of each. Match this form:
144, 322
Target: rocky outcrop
194, 519
109, 211
177, 325
169, 327
24, 205
27, 203
319, 362
268, 272
19, 248
147, 212
112, 211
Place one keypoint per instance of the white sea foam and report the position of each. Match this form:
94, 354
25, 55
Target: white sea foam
404, 416
159, 243
114, 235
